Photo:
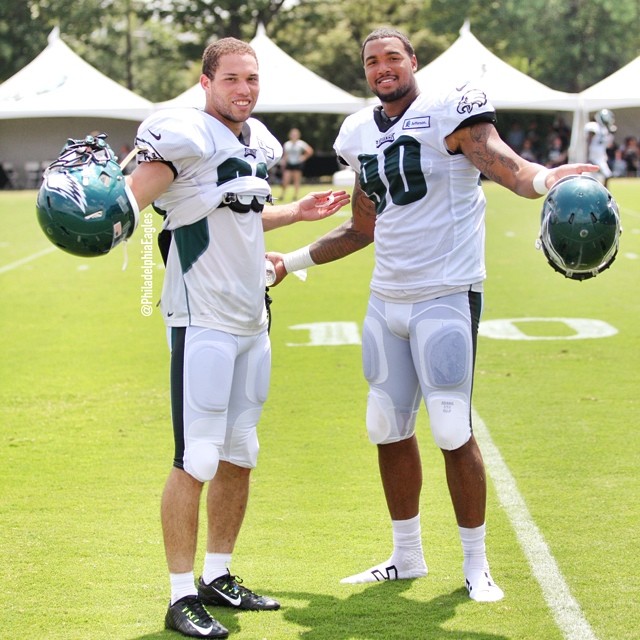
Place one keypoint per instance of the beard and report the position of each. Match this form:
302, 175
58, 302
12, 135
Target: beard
398, 94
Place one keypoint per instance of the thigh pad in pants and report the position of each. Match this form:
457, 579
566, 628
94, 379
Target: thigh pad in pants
226, 383
394, 392
445, 356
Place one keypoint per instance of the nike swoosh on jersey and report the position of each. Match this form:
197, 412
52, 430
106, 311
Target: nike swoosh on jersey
234, 601
157, 136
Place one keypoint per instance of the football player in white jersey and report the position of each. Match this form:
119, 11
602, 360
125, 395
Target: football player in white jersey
419, 157
206, 171
600, 138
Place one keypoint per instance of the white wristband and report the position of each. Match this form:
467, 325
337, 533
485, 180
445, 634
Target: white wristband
539, 182
298, 259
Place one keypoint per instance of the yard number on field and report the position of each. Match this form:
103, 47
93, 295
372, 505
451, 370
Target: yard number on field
325, 334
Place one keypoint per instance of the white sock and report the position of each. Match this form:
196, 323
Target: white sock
215, 565
407, 543
407, 559
479, 582
182, 584
473, 548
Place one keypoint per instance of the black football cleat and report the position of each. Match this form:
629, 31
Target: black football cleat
190, 618
227, 591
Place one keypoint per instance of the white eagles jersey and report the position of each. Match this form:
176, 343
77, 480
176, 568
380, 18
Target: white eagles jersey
597, 151
429, 235
215, 275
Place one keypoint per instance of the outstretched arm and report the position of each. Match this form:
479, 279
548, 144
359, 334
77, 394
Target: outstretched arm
349, 237
148, 181
353, 235
314, 206
482, 144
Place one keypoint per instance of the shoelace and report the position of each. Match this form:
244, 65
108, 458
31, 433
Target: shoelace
234, 585
196, 607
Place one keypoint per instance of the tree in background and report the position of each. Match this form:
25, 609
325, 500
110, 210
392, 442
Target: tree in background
153, 47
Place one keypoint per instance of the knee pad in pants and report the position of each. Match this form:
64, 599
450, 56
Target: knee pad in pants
449, 417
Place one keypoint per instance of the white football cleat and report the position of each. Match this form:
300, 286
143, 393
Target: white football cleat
482, 588
388, 571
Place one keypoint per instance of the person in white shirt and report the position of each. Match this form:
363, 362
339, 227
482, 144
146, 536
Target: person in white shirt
206, 171
296, 153
418, 158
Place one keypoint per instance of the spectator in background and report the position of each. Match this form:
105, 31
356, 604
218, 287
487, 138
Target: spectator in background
618, 166
516, 137
533, 134
527, 151
631, 156
296, 153
557, 153
4, 178
562, 129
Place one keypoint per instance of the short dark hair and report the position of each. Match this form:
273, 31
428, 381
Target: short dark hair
388, 32
214, 51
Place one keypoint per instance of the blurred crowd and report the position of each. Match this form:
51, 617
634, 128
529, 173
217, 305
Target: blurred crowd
550, 146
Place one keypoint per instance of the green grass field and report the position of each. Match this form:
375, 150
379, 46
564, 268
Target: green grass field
86, 446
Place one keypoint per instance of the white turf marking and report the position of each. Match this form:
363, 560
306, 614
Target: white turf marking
566, 611
33, 256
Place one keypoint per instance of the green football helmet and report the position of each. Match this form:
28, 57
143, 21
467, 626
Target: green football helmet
580, 228
84, 205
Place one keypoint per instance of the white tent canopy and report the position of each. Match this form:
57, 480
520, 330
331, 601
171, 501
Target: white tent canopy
619, 92
286, 86
59, 96
507, 88
58, 83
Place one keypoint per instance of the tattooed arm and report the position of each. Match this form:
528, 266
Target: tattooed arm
349, 237
483, 146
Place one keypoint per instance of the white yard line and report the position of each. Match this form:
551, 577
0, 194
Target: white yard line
33, 256
566, 611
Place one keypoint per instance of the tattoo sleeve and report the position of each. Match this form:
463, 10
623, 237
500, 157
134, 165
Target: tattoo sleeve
489, 157
350, 236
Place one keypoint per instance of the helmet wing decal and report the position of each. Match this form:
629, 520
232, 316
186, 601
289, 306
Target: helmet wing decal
67, 186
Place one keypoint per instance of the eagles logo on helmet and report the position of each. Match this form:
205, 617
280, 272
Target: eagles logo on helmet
84, 205
580, 228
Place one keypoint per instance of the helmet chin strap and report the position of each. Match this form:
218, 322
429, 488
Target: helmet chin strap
125, 260
129, 157
123, 163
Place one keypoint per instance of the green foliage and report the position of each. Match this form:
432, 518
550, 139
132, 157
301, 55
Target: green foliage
21, 38
154, 46
327, 36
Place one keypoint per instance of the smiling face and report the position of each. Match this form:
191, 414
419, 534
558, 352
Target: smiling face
232, 91
389, 70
